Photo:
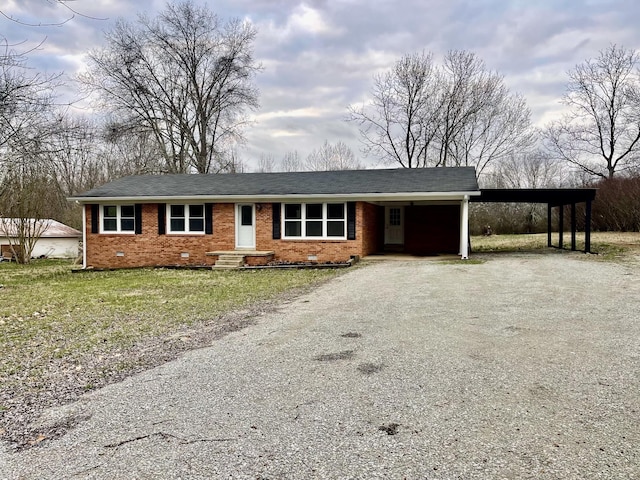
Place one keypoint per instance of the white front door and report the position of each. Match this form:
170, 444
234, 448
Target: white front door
245, 226
394, 225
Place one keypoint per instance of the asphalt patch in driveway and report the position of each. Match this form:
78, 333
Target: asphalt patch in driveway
389, 429
370, 368
332, 357
351, 335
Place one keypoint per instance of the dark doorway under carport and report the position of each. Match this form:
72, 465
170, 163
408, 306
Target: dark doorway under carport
427, 229
554, 198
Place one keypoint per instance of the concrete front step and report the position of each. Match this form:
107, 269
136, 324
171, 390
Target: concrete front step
230, 261
225, 267
236, 258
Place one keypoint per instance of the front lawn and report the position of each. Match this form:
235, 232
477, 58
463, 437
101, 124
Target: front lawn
68, 332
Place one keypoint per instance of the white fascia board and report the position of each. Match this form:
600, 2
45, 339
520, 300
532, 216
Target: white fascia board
365, 197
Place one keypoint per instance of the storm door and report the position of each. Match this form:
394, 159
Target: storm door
245, 226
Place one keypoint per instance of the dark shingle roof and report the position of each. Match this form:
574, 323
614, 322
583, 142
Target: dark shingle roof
344, 182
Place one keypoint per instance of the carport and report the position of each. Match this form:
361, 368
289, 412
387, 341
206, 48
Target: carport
554, 198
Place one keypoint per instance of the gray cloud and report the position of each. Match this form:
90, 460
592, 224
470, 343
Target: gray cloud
320, 56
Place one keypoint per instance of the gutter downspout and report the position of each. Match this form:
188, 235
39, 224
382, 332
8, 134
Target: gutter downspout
464, 228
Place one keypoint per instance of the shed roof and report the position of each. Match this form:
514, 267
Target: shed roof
451, 180
54, 229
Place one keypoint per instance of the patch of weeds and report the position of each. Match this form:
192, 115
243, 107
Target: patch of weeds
370, 368
608, 251
351, 335
331, 357
389, 429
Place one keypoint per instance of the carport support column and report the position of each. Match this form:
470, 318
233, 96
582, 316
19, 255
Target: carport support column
549, 227
84, 235
464, 228
560, 226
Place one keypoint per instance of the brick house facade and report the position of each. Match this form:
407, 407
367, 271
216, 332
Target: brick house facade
192, 219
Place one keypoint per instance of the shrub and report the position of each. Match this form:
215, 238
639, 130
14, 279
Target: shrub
617, 205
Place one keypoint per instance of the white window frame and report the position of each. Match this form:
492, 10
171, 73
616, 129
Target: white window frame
187, 217
303, 220
118, 218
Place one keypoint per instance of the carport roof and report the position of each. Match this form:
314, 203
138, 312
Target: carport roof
453, 180
551, 196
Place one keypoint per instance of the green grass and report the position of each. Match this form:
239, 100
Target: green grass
47, 312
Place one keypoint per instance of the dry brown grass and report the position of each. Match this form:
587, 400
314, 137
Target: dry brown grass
607, 245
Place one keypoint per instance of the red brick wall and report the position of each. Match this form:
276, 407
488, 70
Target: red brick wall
300, 250
428, 230
373, 231
152, 249
432, 229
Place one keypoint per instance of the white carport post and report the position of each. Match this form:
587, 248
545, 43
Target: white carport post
84, 235
464, 228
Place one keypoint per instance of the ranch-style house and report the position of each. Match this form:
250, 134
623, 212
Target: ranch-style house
256, 218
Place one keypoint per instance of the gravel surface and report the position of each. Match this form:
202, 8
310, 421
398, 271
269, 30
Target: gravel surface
526, 366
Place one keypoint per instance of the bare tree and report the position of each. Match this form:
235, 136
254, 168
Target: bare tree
465, 96
72, 154
127, 150
290, 162
456, 114
336, 156
482, 121
185, 76
266, 163
68, 14
28, 196
530, 169
601, 133
26, 98
400, 123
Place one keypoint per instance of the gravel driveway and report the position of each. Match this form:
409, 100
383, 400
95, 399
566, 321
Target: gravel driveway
525, 366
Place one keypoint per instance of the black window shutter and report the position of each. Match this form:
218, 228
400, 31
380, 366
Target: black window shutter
162, 213
208, 218
138, 218
95, 218
351, 220
277, 234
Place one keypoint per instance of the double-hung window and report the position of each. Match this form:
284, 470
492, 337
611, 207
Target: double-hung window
186, 218
314, 220
118, 219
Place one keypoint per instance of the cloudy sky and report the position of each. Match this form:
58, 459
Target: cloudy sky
320, 56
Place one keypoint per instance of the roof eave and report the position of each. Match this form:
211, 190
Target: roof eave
397, 196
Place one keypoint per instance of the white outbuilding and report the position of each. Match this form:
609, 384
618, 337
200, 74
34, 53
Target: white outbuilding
56, 241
